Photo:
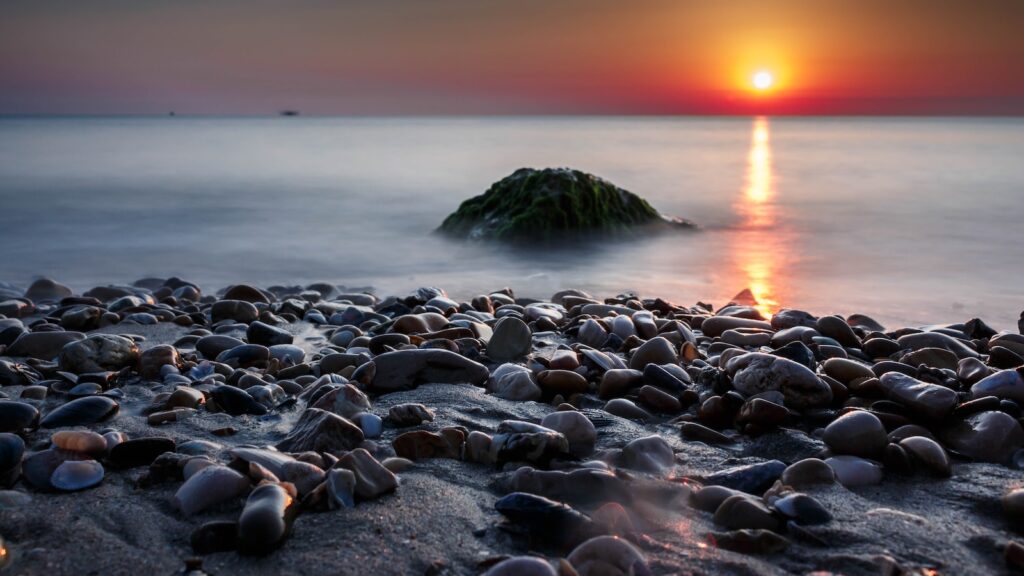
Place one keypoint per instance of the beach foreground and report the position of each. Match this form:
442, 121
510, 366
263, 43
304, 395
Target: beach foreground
310, 430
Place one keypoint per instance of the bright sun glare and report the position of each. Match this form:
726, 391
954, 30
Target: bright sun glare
763, 80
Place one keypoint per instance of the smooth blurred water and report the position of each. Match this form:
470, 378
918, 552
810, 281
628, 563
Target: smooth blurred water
910, 220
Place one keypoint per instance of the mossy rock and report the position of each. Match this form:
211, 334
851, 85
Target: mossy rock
555, 204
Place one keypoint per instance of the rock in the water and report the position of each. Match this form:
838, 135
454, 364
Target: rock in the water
750, 478
346, 400
267, 335
648, 454
236, 401
407, 369
1007, 384
47, 290
236, 310
80, 412
209, 487
857, 433
553, 203
321, 431
655, 351
99, 353
756, 372
511, 340
266, 519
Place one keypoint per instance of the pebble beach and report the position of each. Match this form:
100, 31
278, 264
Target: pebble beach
158, 427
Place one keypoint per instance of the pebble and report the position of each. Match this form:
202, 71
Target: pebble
321, 431
858, 433
16, 416
80, 412
213, 345
608, 556
930, 401
716, 325
74, 475
808, 472
372, 479
618, 381
234, 310
345, 400
266, 519
209, 487
852, 471
928, 454
514, 382
521, 566
709, 498
936, 340
555, 522
515, 441
655, 351
626, 409
563, 382
139, 451
986, 436
756, 372
744, 511
267, 335
510, 340
245, 356
236, 401
836, 328
12, 449
82, 441
577, 428
1008, 384
407, 369
341, 485
749, 478
42, 345
592, 333
99, 353
404, 415
802, 508
648, 454
421, 444
1013, 505
371, 424
47, 290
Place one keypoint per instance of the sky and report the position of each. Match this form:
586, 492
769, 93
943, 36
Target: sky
385, 57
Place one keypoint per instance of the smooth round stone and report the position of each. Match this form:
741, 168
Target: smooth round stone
85, 389
657, 350
709, 498
607, 555
802, 508
934, 357
208, 487
618, 381
521, 566
622, 326
236, 401
745, 512
1008, 384
746, 339
658, 400
1013, 505
10, 499
245, 356
648, 454
235, 310
564, 360
47, 290
808, 472
99, 353
404, 415
927, 400
42, 345
341, 486
626, 409
372, 478
513, 382
858, 433
846, 370
986, 436
81, 412
577, 428
12, 449
83, 441
266, 519
836, 328
152, 361
140, 451
184, 397
592, 333
852, 471
17, 416
510, 340
937, 340
562, 381
34, 392
792, 318
716, 325
72, 475
371, 424
213, 345
762, 413
287, 353
267, 335
928, 454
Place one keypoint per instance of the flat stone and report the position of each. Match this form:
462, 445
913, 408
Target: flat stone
321, 431
928, 400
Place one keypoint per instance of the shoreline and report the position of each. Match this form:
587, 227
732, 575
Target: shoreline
701, 440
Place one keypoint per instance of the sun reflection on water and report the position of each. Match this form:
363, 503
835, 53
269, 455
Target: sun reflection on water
760, 248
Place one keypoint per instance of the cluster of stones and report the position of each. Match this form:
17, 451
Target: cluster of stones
884, 402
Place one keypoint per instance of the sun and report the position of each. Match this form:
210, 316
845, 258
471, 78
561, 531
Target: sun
763, 80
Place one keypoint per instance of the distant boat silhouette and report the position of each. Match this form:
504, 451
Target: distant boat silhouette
289, 112
171, 113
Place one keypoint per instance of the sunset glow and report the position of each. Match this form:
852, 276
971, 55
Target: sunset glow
763, 80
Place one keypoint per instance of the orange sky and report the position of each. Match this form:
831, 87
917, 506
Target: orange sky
508, 57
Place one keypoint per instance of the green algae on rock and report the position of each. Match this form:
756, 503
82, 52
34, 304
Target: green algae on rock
554, 203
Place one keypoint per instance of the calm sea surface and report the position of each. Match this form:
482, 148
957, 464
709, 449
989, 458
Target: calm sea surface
911, 221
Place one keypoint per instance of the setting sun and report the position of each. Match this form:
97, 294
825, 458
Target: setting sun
763, 80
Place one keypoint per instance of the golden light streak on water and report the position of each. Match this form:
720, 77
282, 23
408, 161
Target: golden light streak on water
760, 248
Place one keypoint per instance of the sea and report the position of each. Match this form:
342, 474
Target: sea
913, 221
